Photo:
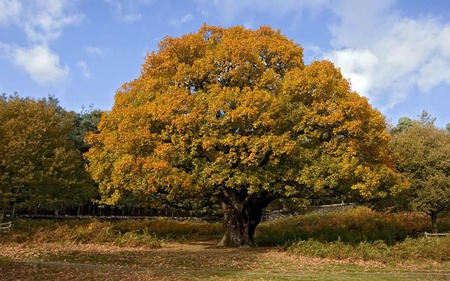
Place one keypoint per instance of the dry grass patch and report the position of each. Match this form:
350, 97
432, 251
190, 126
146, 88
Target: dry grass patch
192, 261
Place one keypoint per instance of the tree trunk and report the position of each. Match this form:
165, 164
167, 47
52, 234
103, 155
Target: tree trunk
242, 214
433, 216
3, 213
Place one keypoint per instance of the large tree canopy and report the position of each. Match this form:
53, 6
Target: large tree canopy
422, 154
234, 114
39, 164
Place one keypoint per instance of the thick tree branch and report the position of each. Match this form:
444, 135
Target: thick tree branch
265, 159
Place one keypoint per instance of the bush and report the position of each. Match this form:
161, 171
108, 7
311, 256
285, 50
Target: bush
355, 225
150, 232
172, 229
419, 249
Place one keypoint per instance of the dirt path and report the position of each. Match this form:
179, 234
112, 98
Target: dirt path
191, 261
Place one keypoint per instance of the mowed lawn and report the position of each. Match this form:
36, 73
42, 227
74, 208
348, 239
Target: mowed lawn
193, 261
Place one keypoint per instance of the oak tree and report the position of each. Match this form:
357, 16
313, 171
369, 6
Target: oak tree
421, 153
39, 164
235, 115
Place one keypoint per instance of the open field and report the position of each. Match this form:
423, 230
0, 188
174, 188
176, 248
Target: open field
193, 261
353, 245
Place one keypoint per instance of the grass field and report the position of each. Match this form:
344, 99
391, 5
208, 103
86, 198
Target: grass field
193, 261
353, 245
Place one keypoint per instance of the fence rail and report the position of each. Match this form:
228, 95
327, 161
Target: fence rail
5, 227
429, 235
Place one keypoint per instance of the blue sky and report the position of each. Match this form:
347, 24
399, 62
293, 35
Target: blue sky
396, 53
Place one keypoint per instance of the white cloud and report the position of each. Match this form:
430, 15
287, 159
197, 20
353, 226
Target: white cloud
41, 63
445, 42
5, 50
187, 18
46, 19
357, 66
94, 51
42, 22
85, 70
385, 55
178, 22
10, 11
127, 11
434, 72
234, 8
361, 23
130, 18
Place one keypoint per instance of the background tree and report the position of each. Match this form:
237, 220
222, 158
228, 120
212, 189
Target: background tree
39, 163
403, 124
422, 155
235, 115
426, 118
84, 122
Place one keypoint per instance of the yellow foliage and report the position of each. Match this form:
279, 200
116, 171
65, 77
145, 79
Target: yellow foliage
233, 108
39, 162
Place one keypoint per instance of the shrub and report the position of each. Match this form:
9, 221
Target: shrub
172, 229
150, 232
354, 225
419, 249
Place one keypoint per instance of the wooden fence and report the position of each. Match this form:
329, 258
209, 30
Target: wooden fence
430, 235
5, 227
